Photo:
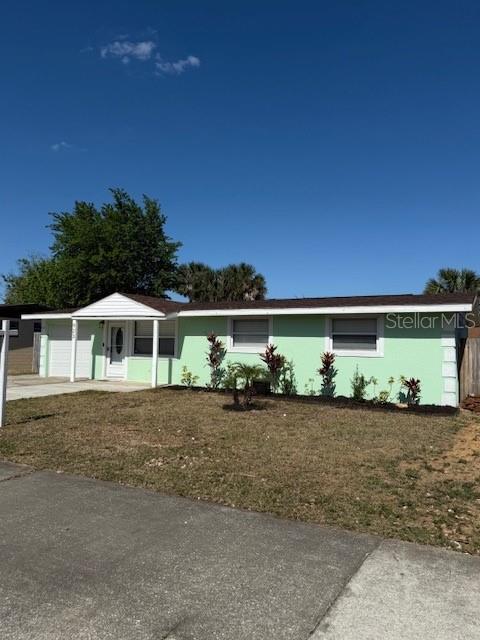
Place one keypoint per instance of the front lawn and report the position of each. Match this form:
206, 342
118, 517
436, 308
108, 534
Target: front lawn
397, 474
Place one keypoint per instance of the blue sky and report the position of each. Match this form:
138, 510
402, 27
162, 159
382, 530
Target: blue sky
335, 145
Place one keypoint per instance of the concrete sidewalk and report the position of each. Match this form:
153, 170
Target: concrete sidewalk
83, 559
34, 386
403, 591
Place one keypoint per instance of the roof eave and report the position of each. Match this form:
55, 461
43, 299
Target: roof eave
371, 309
45, 316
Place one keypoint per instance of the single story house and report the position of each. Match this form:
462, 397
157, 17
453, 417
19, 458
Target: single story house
149, 339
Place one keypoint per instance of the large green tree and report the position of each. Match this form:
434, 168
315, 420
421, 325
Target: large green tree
200, 283
450, 280
120, 247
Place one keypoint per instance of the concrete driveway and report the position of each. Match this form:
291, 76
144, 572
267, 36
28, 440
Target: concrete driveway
82, 559
33, 386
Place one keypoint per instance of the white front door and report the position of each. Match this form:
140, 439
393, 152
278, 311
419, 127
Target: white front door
116, 348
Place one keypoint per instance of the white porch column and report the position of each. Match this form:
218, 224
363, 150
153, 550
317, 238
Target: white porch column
73, 356
156, 327
105, 348
3, 369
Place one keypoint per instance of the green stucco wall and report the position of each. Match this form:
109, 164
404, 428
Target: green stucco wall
409, 352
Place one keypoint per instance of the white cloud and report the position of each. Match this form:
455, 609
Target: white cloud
126, 50
178, 67
59, 146
65, 146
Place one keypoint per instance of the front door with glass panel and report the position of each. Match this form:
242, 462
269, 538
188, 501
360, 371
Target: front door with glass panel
116, 350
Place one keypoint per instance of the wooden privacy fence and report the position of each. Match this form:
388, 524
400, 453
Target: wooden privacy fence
469, 365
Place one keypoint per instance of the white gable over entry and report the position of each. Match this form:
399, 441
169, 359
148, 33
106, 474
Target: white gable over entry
117, 306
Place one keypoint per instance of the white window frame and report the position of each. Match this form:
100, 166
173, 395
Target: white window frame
231, 348
144, 355
358, 353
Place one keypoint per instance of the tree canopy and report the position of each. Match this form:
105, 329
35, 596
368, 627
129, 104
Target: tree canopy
120, 247
450, 280
200, 283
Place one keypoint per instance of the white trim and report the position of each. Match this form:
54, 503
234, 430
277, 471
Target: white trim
377, 353
117, 317
449, 369
73, 350
42, 365
104, 345
175, 353
155, 342
160, 356
230, 346
415, 308
296, 311
46, 316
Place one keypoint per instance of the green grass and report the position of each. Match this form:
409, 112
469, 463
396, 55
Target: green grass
396, 474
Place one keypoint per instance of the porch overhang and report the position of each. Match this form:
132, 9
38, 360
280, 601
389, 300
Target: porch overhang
120, 317
117, 307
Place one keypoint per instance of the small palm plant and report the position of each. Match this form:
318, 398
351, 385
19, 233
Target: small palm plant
246, 374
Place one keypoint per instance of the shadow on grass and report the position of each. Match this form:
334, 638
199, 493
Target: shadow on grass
40, 416
240, 408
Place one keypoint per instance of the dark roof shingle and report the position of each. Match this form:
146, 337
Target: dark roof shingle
344, 301
173, 306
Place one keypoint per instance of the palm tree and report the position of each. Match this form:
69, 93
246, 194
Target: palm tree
453, 280
247, 373
200, 283
197, 282
241, 282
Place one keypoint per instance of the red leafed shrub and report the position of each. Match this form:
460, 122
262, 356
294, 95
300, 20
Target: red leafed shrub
328, 373
412, 385
215, 355
275, 363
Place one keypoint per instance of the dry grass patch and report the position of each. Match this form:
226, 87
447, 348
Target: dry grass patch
404, 475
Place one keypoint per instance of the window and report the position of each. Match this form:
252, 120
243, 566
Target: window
355, 336
143, 339
250, 334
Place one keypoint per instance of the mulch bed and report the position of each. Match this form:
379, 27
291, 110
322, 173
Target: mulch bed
339, 401
472, 403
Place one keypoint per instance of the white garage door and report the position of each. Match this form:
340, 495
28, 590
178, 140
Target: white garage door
60, 344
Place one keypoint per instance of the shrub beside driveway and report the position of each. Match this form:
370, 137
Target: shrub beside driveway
396, 474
